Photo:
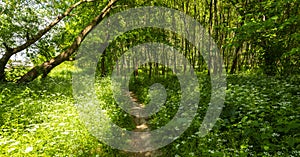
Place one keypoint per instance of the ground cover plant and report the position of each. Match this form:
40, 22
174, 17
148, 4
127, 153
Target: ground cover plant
260, 118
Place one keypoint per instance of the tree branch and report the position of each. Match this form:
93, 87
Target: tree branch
42, 32
8, 49
47, 66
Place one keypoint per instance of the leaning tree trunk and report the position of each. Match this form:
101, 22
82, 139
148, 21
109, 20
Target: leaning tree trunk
47, 66
32, 39
3, 62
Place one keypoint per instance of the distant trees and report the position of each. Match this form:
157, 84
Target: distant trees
270, 31
252, 35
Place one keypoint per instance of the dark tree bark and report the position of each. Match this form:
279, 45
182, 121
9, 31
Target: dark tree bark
235, 60
3, 61
47, 66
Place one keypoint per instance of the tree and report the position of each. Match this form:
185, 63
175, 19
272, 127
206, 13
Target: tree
252, 35
268, 26
47, 66
28, 38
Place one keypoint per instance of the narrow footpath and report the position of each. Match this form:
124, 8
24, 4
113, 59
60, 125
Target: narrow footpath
142, 125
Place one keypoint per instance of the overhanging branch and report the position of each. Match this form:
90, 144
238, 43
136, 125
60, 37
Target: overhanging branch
42, 32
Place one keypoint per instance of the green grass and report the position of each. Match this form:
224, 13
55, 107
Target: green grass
260, 118
40, 119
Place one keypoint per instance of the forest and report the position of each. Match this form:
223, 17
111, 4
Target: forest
223, 75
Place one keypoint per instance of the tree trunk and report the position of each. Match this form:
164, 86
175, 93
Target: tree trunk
47, 66
103, 69
270, 57
234, 62
3, 62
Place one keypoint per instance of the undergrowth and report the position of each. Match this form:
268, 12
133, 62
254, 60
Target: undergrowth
260, 117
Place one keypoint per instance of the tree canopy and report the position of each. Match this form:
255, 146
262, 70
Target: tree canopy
252, 35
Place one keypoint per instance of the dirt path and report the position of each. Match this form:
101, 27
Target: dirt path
141, 126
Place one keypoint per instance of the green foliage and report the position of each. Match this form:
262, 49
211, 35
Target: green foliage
15, 72
40, 119
261, 114
140, 86
260, 117
271, 28
108, 103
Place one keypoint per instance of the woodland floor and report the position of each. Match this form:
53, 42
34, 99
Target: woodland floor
260, 118
141, 125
